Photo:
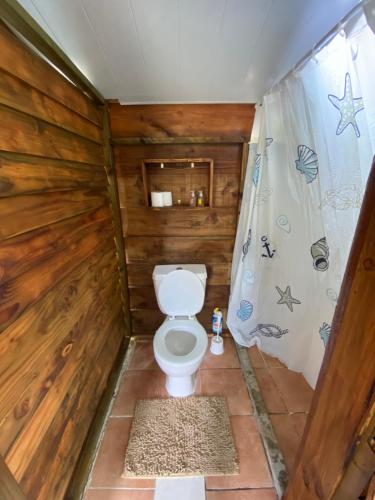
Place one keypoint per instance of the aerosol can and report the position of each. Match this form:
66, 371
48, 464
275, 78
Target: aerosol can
217, 343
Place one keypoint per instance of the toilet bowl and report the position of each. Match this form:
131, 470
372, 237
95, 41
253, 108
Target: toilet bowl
180, 343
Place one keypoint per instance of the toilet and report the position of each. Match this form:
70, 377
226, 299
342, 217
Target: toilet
180, 343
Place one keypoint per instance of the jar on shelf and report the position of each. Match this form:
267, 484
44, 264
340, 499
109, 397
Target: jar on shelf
193, 199
200, 201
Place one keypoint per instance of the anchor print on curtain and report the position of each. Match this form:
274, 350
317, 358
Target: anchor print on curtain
303, 190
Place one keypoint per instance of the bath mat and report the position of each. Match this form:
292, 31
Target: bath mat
181, 436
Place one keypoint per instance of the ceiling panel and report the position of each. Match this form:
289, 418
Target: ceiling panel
157, 25
142, 51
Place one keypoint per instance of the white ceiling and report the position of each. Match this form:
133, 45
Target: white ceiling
149, 51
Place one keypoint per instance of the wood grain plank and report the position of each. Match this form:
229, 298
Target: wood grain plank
9, 488
226, 189
237, 139
39, 74
28, 135
21, 292
21, 253
36, 347
25, 26
28, 174
187, 222
28, 212
75, 428
145, 298
26, 450
129, 154
187, 120
183, 249
117, 223
20, 96
60, 304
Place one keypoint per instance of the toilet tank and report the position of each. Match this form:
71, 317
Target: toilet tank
160, 272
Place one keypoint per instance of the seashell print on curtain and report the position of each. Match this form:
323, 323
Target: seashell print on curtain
304, 184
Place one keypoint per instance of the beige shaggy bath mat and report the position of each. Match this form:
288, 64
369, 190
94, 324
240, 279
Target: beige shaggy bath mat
182, 436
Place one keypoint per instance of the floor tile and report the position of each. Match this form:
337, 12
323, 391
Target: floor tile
228, 383
272, 362
256, 358
181, 488
143, 358
108, 494
228, 359
258, 494
271, 394
110, 460
299, 422
254, 472
138, 385
287, 436
295, 391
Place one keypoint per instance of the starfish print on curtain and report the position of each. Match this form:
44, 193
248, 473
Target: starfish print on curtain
348, 106
286, 298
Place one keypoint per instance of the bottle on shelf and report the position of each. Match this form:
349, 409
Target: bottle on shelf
193, 199
200, 201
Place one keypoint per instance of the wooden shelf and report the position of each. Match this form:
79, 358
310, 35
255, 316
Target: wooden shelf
179, 207
180, 176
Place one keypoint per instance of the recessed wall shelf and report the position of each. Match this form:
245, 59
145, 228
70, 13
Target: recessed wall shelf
180, 176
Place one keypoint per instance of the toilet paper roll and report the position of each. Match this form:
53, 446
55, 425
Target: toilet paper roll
167, 198
157, 199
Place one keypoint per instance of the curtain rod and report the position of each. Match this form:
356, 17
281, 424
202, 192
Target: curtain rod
321, 43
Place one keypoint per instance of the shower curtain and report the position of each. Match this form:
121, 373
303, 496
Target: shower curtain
304, 185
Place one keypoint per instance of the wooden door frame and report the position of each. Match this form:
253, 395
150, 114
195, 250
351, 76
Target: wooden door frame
336, 458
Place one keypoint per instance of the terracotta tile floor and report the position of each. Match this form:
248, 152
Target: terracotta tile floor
287, 398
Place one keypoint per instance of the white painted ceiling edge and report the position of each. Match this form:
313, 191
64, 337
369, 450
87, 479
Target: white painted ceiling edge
186, 51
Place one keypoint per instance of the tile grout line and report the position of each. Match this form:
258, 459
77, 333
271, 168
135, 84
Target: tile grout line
125, 366
274, 456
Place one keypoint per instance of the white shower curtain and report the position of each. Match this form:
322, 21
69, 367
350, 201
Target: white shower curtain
303, 191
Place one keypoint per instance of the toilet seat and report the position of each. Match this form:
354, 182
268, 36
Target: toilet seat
181, 293
180, 327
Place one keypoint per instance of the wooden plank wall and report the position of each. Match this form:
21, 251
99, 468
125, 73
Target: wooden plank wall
178, 236
61, 323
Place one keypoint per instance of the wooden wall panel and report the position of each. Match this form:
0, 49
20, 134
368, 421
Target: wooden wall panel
16, 94
61, 322
175, 222
20, 61
182, 120
29, 135
31, 212
178, 249
29, 174
172, 236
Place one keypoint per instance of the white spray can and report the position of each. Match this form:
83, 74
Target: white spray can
217, 343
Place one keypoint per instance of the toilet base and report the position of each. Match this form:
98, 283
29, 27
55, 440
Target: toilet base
180, 387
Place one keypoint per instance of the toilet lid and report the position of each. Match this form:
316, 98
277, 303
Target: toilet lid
181, 293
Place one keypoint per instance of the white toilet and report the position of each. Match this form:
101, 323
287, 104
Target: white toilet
180, 343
